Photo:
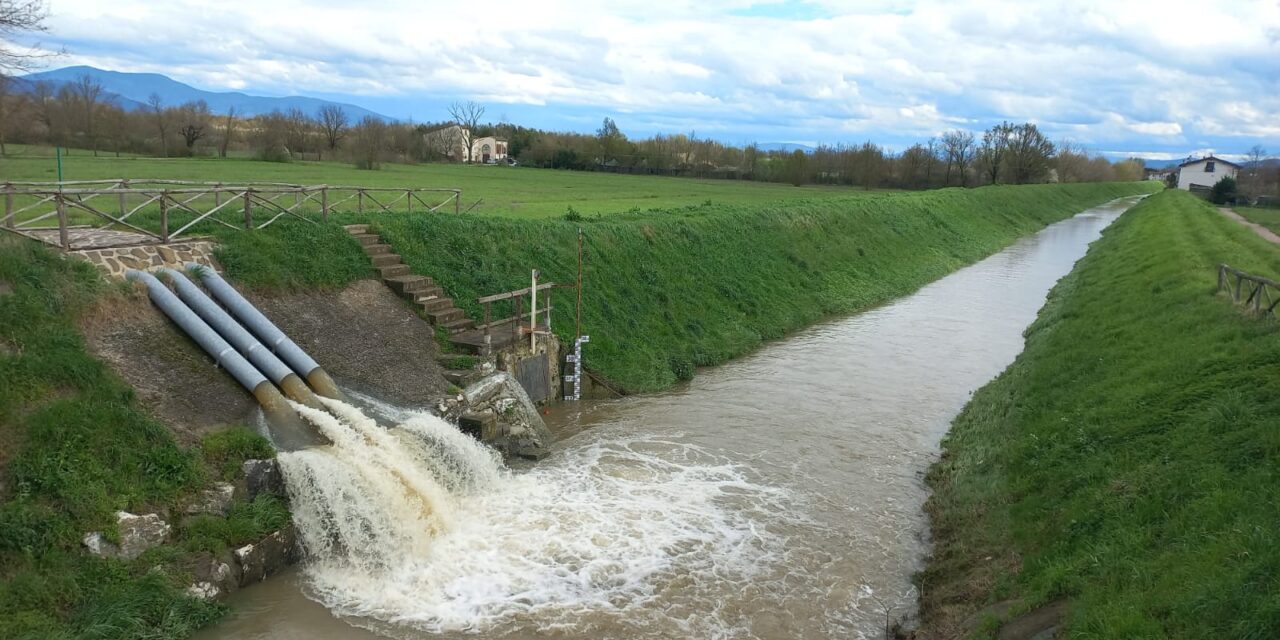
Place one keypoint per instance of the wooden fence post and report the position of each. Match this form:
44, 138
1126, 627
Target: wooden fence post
359, 200
457, 201
64, 238
248, 209
164, 216
217, 194
124, 184
408, 199
8, 205
324, 203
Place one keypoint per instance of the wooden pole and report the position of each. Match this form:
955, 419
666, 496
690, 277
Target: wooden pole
324, 203
408, 198
359, 200
577, 330
64, 238
533, 312
248, 209
217, 194
457, 201
124, 184
8, 205
164, 216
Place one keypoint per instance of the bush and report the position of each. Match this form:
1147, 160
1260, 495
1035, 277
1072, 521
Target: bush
1224, 191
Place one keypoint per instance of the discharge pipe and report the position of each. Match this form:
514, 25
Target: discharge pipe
270, 335
289, 432
244, 342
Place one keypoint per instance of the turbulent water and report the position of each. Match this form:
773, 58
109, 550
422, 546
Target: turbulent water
381, 518
778, 496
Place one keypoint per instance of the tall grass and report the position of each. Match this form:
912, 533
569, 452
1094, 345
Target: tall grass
1129, 460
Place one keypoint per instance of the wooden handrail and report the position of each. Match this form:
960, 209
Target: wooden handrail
1259, 287
507, 295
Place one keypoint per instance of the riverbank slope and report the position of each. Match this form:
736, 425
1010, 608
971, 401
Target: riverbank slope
670, 290
1119, 479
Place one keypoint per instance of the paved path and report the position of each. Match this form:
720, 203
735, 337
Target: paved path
1263, 232
95, 238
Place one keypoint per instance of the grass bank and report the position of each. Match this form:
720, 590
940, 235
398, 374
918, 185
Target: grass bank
1128, 463
668, 291
74, 448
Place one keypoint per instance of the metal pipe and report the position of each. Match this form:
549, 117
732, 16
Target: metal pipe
223, 353
288, 432
242, 340
267, 332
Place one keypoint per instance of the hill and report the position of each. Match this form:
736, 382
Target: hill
132, 90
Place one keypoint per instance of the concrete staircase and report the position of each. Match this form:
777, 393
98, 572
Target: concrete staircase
437, 306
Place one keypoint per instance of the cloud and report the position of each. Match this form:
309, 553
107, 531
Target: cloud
1109, 73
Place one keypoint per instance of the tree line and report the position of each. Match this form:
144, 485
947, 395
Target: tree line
81, 114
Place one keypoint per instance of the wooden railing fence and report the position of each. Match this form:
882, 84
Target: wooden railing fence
1260, 295
165, 210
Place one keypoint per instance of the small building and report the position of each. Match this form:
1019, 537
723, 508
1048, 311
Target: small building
488, 150
1203, 173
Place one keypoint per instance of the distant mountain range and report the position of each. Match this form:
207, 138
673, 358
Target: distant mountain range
131, 91
784, 146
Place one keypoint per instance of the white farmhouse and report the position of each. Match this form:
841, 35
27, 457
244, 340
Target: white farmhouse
1202, 174
488, 150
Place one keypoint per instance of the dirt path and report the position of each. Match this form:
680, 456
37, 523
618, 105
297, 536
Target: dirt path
1263, 232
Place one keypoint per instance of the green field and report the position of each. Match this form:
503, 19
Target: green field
1267, 217
507, 191
1128, 462
666, 292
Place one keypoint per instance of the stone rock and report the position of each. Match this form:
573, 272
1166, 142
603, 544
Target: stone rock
137, 534
204, 591
167, 254
215, 501
269, 555
501, 393
262, 476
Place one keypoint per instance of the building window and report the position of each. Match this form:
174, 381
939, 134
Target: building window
1208, 167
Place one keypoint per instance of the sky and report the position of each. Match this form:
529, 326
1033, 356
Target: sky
1157, 79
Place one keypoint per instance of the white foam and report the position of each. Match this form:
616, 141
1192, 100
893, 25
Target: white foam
599, 532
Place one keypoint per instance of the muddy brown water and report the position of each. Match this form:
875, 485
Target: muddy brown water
777, 496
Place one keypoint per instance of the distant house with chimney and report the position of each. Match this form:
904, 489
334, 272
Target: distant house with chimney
1203, 173
450, 142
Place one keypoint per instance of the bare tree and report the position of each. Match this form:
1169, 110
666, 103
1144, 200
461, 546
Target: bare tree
17, 16
228, 128
194, 117
162, 121
467, 115
88, 93
958, 147
370, 143
333, 122
6, 110
298, 129
995, 146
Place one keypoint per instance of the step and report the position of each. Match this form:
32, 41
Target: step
385, 260
458, 326
377, 249
435, 304
446, 315
356, 229
367, 239
429, 293
394, 270
406, 285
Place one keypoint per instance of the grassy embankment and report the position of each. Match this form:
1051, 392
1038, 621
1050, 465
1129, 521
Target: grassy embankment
667, 291
1128, 462
522, 192
74, 448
